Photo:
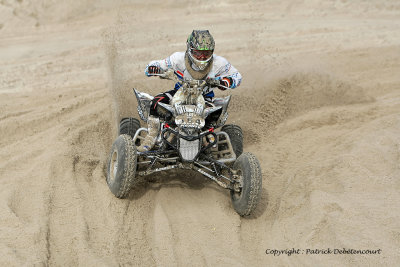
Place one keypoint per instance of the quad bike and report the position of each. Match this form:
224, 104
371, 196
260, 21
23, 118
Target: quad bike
188, 139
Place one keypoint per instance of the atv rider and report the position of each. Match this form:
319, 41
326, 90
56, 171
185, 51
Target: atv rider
198, 62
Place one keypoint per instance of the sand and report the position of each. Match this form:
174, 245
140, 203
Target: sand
319, 106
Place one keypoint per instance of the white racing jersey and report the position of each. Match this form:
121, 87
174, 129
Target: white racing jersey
221, 68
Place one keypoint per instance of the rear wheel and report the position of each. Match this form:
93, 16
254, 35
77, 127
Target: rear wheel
121, 171
236, 136
248, 168
129, 126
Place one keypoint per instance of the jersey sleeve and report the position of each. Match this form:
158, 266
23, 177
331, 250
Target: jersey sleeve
164, 64
227, 70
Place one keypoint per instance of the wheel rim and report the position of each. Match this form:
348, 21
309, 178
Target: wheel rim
113, 166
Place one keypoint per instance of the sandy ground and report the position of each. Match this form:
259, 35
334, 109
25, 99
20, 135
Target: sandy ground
319, 105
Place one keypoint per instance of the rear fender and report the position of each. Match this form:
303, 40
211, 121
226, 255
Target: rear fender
222, 102
208, 111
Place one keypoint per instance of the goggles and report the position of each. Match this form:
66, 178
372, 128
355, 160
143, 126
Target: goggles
201, 55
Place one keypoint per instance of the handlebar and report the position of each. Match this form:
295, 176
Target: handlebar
169, 75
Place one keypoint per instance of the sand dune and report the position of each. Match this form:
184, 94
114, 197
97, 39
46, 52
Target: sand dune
319, 105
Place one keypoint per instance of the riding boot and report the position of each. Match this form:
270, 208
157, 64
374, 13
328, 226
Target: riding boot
153, 124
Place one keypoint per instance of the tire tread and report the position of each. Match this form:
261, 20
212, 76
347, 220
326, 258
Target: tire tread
129, 126
130, 168
121, 187
247, 204
256, 184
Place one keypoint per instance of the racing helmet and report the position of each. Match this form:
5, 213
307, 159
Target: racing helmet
200, 48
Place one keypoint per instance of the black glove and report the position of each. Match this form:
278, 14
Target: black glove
227, 82
153, 70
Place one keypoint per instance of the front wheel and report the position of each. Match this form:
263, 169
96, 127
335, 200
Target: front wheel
248, 168
121, 171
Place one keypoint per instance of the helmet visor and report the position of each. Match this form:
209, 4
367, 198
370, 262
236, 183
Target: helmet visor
201, 55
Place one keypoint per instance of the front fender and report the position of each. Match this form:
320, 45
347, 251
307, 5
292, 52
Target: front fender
144, 103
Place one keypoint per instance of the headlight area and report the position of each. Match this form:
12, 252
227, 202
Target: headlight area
189, 121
